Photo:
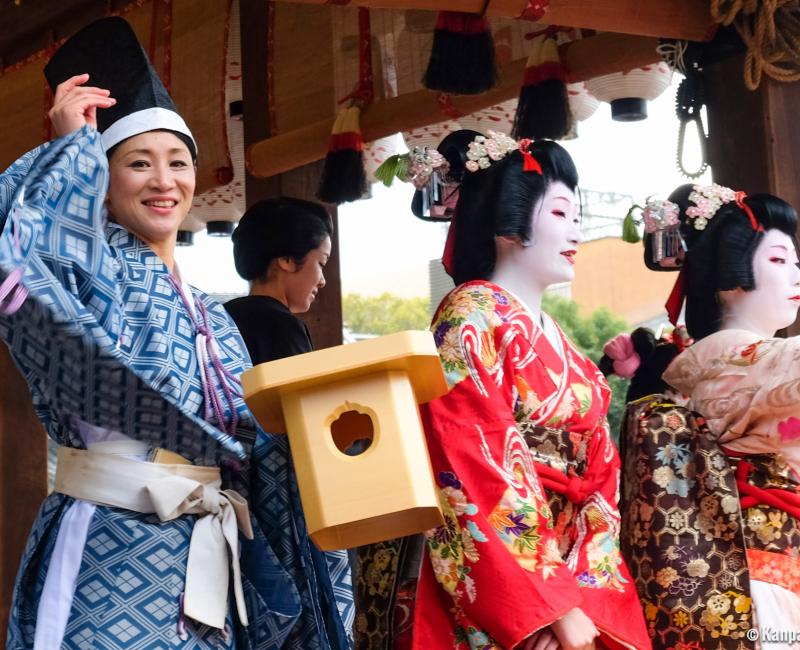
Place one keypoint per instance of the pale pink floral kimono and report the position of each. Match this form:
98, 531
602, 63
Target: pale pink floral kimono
748, 390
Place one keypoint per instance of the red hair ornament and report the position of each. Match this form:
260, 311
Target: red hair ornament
529, 163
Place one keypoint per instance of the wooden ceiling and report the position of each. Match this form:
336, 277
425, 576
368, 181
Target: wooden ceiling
628, 39
682, 19
32, 25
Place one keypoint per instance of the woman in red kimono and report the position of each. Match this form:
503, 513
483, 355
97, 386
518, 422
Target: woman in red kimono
528, 556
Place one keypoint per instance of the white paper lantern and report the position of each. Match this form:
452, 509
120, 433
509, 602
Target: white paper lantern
429, 136
218, 210
582, 103
499, 117
628, 92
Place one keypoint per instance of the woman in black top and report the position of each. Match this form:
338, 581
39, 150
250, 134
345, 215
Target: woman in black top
281, 247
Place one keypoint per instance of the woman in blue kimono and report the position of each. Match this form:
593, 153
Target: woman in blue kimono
135, 374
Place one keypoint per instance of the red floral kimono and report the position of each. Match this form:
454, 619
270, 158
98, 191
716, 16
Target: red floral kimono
528, 478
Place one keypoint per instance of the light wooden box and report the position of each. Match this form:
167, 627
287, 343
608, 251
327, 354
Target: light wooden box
330, 398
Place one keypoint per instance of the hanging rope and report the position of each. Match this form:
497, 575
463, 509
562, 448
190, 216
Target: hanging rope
689, 100
364, 92
686, 58
771, 32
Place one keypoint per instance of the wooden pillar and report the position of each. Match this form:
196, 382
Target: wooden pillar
753, 135
738, 140
23, 475
324, 319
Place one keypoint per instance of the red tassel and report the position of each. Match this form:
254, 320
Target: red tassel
543, 106
529, 163
461, 23
350, 141
740, 197
462, 56
543, 72
343, 177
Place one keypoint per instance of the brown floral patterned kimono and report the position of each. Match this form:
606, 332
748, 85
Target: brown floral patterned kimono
712, 504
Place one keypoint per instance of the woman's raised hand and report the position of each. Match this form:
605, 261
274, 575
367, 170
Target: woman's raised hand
575, 630
75, 105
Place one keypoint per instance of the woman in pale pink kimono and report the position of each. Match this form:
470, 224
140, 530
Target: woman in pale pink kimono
741, 282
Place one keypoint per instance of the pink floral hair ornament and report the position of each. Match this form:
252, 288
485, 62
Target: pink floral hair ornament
659, 215
707, 200
626, 360
489, 148
662, 226
423, 161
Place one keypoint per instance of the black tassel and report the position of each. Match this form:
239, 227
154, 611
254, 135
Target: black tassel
543, 106
462, 57
343, 177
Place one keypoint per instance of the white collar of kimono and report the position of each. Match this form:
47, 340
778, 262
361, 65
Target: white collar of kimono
149, 119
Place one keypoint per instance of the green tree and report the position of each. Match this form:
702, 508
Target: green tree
384, 314
589, 335
389, 313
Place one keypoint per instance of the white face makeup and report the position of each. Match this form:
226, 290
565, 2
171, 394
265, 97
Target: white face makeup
773, 304
549, 257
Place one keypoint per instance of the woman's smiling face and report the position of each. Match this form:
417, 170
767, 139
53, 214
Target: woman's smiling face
151, 186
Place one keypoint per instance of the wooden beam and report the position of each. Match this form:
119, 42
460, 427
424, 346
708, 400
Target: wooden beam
682, 19
584, 59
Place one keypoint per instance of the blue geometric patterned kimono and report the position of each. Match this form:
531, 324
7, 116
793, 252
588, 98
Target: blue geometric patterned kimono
104, 338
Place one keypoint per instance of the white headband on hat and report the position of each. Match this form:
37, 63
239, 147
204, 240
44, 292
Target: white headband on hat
149, 119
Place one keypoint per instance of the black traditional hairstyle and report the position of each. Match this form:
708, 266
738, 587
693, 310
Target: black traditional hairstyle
500, 201
720, 257
654, 357
276, 228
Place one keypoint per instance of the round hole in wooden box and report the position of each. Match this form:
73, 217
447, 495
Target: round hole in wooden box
352, 432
